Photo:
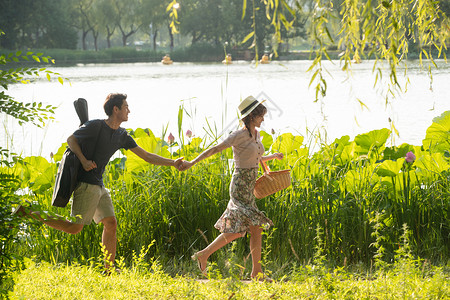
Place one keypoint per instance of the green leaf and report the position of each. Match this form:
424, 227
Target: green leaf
437, 136
314, 76
287, 143
375, 138
390, 168
267, 140
180, 120
248, 37
431, 164
244, 8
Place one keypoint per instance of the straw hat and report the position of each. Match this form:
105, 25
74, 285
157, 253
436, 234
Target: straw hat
248, 105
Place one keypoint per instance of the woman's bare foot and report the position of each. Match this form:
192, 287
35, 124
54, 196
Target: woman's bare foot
201, 262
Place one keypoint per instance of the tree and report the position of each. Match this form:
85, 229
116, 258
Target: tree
83, 19
221, 21
128, 17
106, 18
155, 16
38, 24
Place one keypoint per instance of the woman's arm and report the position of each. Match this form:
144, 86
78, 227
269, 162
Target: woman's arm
278, 156
156, 159
205, 154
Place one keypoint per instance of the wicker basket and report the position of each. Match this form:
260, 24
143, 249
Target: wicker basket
271, 182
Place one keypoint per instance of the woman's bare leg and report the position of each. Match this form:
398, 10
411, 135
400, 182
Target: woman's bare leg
255, 250
222, 240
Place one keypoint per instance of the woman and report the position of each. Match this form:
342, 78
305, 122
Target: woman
241, 215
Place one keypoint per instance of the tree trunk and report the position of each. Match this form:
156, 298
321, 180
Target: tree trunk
154, 39
109, 34
83, 39
171, 38
95, 35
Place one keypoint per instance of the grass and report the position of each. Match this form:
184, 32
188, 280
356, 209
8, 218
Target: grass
403, 280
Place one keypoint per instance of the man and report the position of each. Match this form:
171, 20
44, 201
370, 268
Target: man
94, 143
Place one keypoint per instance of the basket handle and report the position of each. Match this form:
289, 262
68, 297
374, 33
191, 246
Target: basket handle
265, 167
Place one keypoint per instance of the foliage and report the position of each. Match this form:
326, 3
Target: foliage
37, 24
10, 180
35, 113
9, 184
383, 30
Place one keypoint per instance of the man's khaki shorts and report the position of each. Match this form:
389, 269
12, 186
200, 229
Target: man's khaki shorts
91, 202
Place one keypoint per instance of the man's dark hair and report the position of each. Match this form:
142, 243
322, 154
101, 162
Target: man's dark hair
113, 99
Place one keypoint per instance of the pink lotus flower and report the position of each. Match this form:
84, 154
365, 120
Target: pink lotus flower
410, 157
170, 138
189, 133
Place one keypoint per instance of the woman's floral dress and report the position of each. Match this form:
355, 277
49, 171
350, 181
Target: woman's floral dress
242, 212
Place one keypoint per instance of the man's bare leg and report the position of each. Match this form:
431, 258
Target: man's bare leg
109, 238
58, 223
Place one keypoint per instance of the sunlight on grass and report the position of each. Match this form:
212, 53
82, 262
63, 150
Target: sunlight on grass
47, 281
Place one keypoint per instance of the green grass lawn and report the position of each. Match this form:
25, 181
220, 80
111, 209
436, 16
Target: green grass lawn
402, 281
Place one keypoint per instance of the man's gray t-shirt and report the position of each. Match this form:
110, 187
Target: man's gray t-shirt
99, 142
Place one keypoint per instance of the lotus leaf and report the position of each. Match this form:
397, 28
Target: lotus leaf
397, 152
390, 168
58, 156
138, 133
267, 140
434, 163
348, 152
438, 134
148, 143
287, 143
45, 180
374, 138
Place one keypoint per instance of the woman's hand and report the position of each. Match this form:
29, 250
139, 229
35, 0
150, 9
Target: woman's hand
278, 155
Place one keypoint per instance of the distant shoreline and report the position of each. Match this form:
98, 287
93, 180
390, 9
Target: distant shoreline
67, 57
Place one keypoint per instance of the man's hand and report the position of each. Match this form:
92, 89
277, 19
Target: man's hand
88, 165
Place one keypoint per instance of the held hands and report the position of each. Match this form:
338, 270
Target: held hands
177, 163
186, 165
182, 165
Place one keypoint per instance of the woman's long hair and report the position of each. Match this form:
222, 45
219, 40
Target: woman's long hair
260, 110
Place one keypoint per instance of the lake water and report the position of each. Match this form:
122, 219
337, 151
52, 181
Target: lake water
210, 94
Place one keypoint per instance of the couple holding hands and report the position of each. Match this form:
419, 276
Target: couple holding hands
91, 201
